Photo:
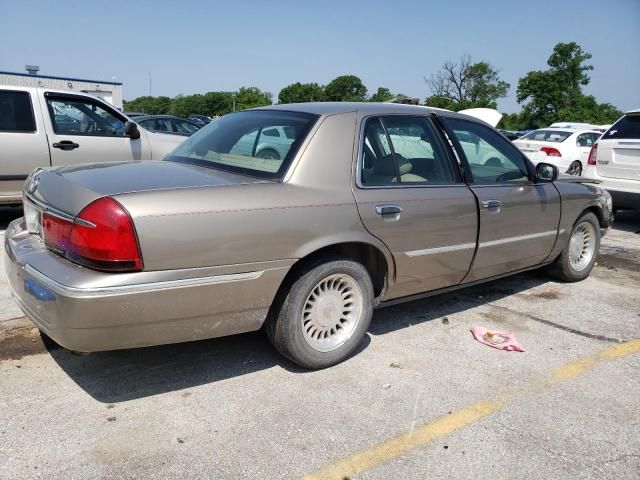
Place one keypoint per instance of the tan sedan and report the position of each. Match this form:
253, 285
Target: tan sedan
358, 206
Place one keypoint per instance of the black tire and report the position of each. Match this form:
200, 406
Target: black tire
575, 168
284, 326
562, 267
268, 153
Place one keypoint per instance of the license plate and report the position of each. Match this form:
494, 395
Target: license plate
32, 218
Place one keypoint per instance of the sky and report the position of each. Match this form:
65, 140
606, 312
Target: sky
199, 46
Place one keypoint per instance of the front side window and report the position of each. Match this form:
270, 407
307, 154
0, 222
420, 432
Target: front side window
237, 143
16, 113
491, 157
71, 116
180, 126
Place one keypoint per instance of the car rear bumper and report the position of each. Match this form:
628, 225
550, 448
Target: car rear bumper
87, 311
625, 193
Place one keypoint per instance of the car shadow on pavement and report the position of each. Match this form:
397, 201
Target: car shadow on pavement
121, 375
9, 214
436, 307
627, 221
117, 376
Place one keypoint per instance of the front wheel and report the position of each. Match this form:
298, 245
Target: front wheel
325, 313
579, 254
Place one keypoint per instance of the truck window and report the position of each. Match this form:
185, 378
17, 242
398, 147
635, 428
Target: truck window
16, 113
74, 116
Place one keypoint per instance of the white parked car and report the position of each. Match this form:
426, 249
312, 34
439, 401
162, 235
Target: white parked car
568, 148
615, 161
40, 127
270, 144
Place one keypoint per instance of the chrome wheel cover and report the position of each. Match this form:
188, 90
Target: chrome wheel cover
332, 312
582, 246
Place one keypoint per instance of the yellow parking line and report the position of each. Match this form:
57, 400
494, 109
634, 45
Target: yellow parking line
442, 426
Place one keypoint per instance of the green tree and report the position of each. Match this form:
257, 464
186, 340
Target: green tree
382, 95
301, 92
457, 86
185, 105
345, 88
147, 104
218, 103
250, 97
556, 94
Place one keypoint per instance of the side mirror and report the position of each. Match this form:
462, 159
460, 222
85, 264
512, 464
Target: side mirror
546, 172
131, 130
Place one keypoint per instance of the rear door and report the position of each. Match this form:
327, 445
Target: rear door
83, 130
619, 149
518, 218
411, 196
23, 141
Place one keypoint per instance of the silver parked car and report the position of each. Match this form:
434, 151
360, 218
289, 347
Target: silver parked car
370, 204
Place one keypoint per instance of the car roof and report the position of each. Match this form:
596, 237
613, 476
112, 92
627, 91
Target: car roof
146, 117
373, 108
567, 130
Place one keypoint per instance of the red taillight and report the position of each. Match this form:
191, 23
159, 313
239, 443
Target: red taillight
551, 152
56, 232
593, 154
101, 237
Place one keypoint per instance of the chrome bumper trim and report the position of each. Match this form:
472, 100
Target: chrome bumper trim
67, 291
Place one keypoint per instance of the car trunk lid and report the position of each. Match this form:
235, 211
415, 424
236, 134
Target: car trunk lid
71, 188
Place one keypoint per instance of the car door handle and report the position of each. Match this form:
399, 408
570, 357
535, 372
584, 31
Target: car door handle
491, 204
66, 145
388, 210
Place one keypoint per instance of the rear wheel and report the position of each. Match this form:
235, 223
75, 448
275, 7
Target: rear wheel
323, 316
575, 168
268, 154
579, 254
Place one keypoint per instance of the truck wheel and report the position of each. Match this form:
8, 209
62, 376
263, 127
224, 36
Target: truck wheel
579, 254
324, 314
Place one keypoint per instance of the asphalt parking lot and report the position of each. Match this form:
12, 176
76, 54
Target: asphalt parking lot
421, 399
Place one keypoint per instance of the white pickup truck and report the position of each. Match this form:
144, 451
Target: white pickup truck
40, 127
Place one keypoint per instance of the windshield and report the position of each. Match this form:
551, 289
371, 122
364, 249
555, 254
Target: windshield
627, 127
555, 136
259, 143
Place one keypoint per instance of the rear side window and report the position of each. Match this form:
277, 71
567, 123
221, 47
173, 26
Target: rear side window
554, 136
237, 143
627, 127
16, 113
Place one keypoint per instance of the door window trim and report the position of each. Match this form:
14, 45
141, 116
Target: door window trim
85, 99
465, 162
458, 181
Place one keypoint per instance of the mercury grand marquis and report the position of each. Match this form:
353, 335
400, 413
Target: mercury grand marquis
371, 204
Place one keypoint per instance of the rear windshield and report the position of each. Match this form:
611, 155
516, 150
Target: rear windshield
554, 136
627, 127
259, 143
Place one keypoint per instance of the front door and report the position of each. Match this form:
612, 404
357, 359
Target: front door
83, 130
410, 196
518, 218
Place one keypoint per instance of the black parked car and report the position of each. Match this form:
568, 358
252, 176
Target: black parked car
168, 124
